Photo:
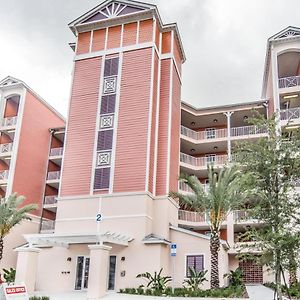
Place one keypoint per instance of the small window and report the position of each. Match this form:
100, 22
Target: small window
194, 261
210, 158
210, 133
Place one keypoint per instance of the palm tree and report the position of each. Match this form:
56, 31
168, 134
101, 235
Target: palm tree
225, 194
11, 214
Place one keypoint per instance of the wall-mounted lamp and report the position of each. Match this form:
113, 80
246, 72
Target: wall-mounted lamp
123, 258
69, 259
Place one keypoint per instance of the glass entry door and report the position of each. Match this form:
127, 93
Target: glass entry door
112, 272
82, 273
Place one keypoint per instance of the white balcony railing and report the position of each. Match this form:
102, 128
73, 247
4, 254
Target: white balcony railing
287, 82
183, 187
247, 130
204, 135
191, 216
47, 225
10, 121
4, 175
222, 133
203, 161
290, 114
56, 151
6, 148
55, 175
241, 215
50, 200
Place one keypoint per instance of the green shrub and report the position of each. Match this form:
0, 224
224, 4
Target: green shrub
9, 275
148, 292
156, 282
140, 291
121, 291
235, 277
195, 280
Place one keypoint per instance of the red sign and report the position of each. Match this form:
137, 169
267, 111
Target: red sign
15, 290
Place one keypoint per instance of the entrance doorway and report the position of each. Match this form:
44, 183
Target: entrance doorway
252, 272
112, 272
82, 273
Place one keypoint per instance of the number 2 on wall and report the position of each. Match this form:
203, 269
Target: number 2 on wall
98, 217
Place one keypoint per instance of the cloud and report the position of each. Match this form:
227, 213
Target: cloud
224, 42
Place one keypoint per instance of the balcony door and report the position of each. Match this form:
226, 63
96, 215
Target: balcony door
210, 133
82, 273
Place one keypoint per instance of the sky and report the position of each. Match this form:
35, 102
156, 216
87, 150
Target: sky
224, 40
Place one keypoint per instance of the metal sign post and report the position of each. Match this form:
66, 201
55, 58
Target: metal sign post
173, 258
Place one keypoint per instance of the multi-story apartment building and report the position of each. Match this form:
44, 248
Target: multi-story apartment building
107, 215
25, 119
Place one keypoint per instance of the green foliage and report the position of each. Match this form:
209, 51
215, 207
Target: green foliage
274, 165
226, 193
9, 275
235, 277
12, 213
195, 279
228, 292
156, 282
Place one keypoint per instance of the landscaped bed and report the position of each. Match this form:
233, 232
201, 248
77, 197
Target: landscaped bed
227, 292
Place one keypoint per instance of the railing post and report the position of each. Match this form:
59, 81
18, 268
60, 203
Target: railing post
228, 115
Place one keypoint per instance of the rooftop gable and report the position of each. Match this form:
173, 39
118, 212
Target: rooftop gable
110, 9
288, 32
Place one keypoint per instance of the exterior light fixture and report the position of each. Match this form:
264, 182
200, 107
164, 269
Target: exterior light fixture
193, 123
290, 96
193, 150
215, 120
215, 147
246, 117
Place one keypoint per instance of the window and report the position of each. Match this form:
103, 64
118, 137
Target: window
210, 158
194, 261
105, 138
102, 178
210, 133
111, 67
108, 104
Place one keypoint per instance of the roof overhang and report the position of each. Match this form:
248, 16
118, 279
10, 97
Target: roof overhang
65, 240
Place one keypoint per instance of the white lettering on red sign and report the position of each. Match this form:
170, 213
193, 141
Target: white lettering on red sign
15, 290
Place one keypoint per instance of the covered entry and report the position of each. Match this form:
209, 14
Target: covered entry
253, 273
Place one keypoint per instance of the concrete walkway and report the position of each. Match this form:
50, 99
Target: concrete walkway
260, 292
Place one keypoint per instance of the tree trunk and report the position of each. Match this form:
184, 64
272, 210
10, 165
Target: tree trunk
292, 271
1, 247
214, 250
278, 275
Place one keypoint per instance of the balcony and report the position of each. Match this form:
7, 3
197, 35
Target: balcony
56, 151
290, 114
204, 135
53, 179
185, 189
201, 163
288, 82
214, 134
47, 226
248, 131
4, 175
192, 216
6, 149
50, 203
9, 122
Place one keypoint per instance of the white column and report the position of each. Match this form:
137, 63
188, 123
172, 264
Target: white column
228, 115
98, 273
26, 270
